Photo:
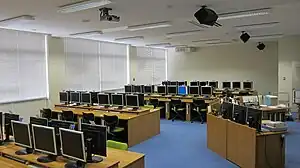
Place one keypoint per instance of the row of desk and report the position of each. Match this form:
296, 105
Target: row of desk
139, 125
243, 146
115, 159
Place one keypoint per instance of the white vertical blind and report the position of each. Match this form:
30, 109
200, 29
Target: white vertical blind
151, 65
22, 66
94, 65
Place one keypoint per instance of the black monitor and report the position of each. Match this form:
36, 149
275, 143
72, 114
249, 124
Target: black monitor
203, 83
226, 85
8, 117
194, 83
117, 99
75, 97
103, 99
128, 88
161, 89
148, 89
22, 137
206, 90
39, 121
227, 110
172, 90
194, 90
181, 83
141, 99
164, 82
236, 85
95, 140
174, 83
94, 97
137, 89
132, 100
213, 84
248, 85
86, 98
254, 118
44, 141
63, 97
239, 114
72, 145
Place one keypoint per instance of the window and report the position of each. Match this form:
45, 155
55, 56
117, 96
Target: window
94, 65
22, 66
151, 65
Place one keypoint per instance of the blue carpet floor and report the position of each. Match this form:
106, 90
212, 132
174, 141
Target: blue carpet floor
183, 144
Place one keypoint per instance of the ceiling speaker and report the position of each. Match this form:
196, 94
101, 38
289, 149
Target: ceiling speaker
261, 46
245, 37
206, 16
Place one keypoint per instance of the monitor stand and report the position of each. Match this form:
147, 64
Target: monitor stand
135, 108
46, 159
120, 107
24, 151
89, 157
77, 164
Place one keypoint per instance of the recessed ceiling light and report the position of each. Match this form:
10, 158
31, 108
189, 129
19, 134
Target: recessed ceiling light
184, 33
130, 38
257, 26
82, 5
265, 37
149, 26
206, 40
243, 14
159, 45
90, 33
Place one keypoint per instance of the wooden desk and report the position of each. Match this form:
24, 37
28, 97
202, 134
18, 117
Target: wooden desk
139, 127
115, 159
8, 163
244, 146
274, 114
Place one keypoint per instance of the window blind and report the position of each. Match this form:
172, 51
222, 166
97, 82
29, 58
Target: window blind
151, 65
22, 66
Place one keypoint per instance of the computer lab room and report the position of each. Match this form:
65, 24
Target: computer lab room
149, 84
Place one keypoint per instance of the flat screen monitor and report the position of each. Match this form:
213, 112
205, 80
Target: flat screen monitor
161, 89
172, 89
61, 124
248, 85
236, 85
148, 89
72, 144
75, 97
213, 84
95, 140
63, 97
206, 90
194, 90
39, 121
128, 88
94, 97
86, 98
174, 83
22, 136
132, 100
203, 83
226, 85
103, 99
181, 83
182, 90
194, 83
44, 141
137, 88
117, 99
8, 117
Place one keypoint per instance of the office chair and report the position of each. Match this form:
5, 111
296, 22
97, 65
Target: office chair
154, 102
176, 107
200, 107
87, 117
114, 132
68, 115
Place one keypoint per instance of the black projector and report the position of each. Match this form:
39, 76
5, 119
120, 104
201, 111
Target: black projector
206, 16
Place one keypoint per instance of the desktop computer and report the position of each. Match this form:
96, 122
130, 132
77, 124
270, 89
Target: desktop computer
141, 99
75, 98
227, 110
213, 84
95, 137
128, 88
206, 90
137, 89
72, 145
64, 97
22, 137
94, 97
194, 83
86, 98
239, 114
182, 90
226, 85
194, 90
149, 89
254, 118
203, 83
172, 90
8, 117
161, 90
132, 101
38, 121
44, 141
103, 100
236, 85
117, 100
173, 83
181, 83
248, 85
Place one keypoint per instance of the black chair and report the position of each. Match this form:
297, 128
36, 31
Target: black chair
200, 108
177, 108
87, 117
46, 113
68, 116
154, 102
114, 132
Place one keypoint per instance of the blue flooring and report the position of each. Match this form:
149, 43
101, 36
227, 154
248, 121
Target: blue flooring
183, 145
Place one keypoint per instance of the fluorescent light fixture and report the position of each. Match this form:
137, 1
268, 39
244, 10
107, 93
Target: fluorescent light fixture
265, 37
115, 29
82, 5
184, 33
218, 43
174, 46
17, 19
256, 26
150, 26
207, 40
243, 14
159, 45
90, 33
130, 38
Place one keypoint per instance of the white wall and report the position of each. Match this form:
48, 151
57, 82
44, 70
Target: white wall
228, 63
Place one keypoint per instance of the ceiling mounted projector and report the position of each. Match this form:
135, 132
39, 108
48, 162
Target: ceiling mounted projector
261, 46
207, 16
245, 37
